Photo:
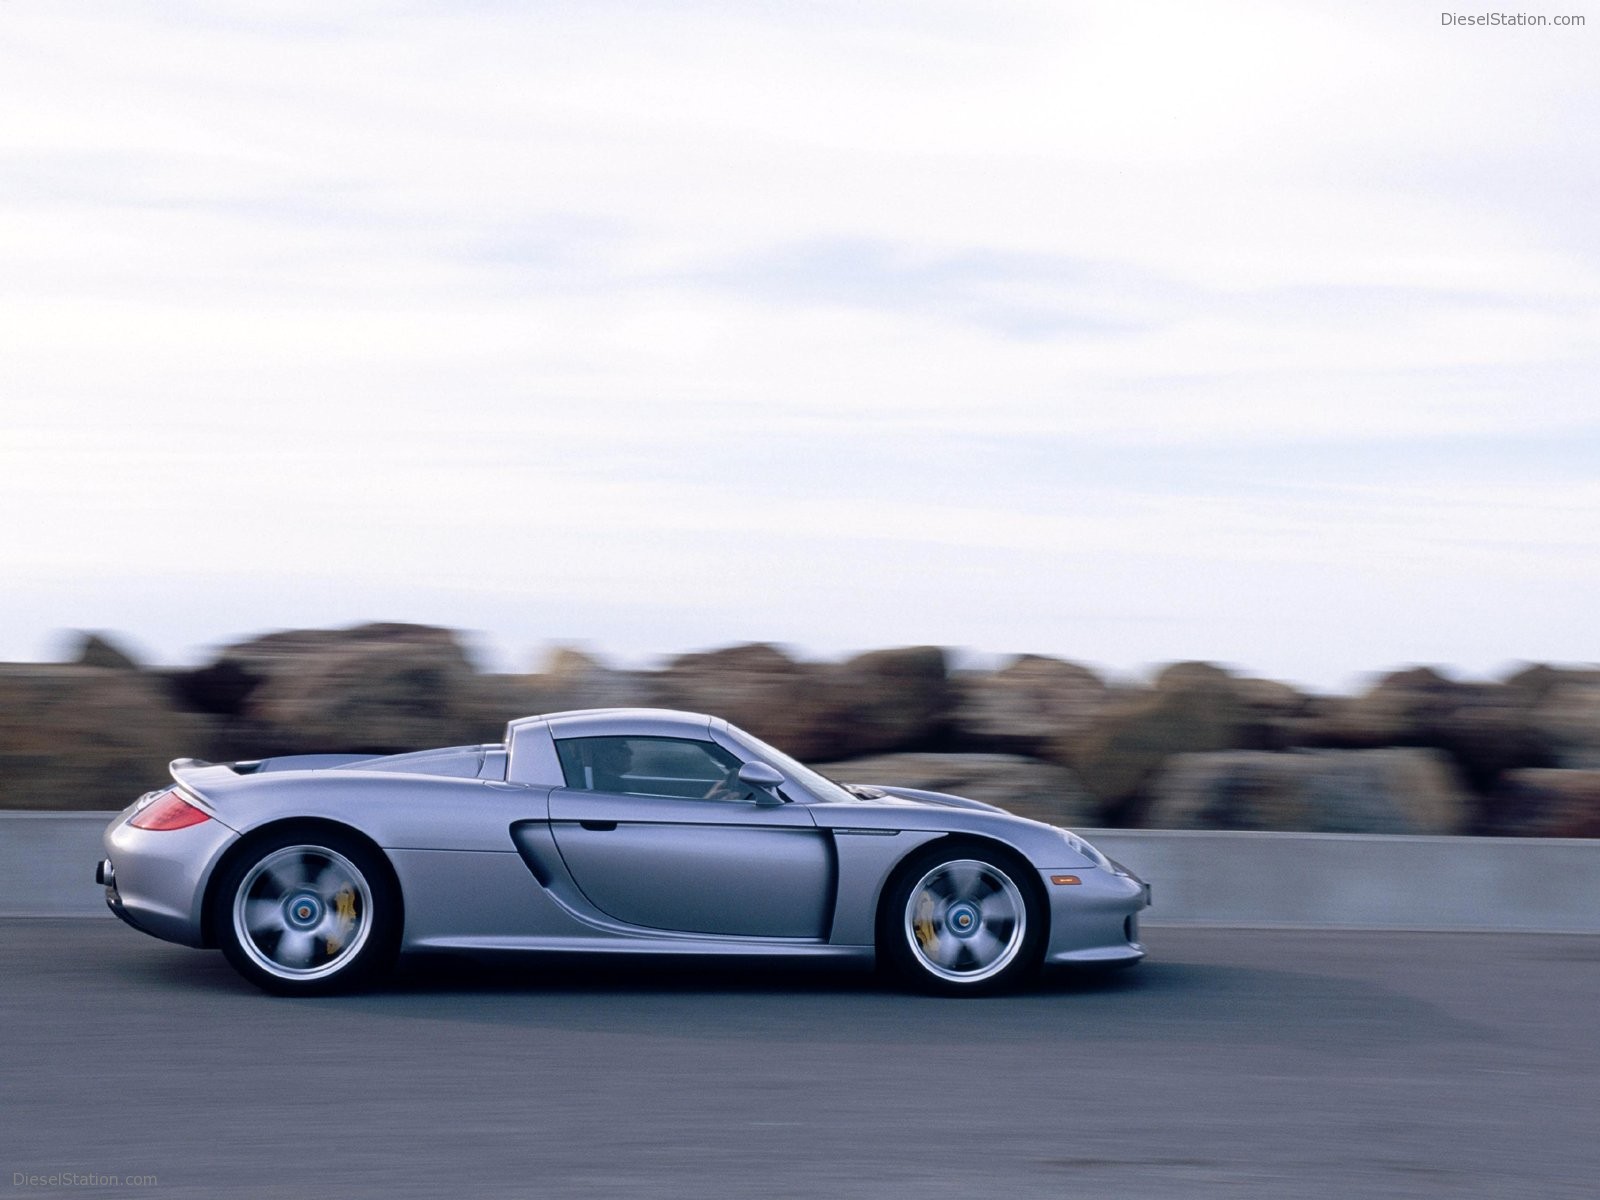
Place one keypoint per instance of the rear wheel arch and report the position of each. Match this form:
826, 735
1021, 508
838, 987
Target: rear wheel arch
248, 844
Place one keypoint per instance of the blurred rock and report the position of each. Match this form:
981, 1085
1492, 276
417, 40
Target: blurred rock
574, 679
1198, 743
1026, 706
883, 700
1533, 681
1398, 709
1025, 786
98, 650
381, 688
1551, 803
1485, 728
219, 688
1192, 707
889, 700
1274, 716
757, 687
570, 679
1321, 791
1486, 738
492, 700
1194, 676
79, 737
1567, 715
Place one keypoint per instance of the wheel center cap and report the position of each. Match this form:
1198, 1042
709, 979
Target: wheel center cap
303, 910
962, 919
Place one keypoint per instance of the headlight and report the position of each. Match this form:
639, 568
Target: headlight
1085, 849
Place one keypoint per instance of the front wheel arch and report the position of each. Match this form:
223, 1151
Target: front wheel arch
887, 918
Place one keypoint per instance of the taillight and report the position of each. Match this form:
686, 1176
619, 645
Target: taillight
171, 811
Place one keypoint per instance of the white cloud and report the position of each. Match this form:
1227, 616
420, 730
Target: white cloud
712, 294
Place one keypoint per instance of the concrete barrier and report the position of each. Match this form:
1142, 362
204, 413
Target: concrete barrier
1363, 881
47, 864
1198, 877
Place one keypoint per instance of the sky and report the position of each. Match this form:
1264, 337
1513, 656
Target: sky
1267, 334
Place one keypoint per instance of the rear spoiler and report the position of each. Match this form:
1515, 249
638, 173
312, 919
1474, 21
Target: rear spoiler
195, 775
199, 778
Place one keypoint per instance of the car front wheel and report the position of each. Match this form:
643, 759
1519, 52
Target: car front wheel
308, 914
961, 921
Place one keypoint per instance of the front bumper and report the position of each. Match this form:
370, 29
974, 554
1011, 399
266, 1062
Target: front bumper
1095, 921
155, 879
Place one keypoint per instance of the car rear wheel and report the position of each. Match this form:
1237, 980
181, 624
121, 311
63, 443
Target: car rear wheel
961, 921
308, 913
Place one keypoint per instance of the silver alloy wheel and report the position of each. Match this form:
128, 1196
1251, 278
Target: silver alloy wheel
965, 920
303, 912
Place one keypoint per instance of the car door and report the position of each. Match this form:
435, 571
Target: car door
658, 832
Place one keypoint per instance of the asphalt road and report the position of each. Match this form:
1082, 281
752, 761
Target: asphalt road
1234, 1063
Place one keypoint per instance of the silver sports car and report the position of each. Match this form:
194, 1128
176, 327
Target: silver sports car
607, 830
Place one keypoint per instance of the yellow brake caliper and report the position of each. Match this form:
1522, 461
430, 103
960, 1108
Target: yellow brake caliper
922, 923
344, 907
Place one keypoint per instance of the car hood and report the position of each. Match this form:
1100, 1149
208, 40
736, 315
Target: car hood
899, 795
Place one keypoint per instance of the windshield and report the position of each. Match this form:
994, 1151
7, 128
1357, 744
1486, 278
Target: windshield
819, 786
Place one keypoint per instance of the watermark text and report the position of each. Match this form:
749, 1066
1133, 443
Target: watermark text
1509, 19
73, 1179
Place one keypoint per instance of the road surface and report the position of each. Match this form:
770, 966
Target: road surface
1234, 1063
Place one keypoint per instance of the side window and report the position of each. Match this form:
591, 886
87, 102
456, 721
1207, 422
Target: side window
651, 766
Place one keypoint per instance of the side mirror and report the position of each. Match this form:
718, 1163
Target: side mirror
764, 778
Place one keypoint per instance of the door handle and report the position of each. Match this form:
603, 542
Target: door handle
599, 826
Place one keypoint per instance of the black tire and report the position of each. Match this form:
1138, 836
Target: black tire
961, 920
308, 912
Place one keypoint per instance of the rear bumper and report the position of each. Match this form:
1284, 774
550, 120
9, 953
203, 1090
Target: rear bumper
155, 879
106, 875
